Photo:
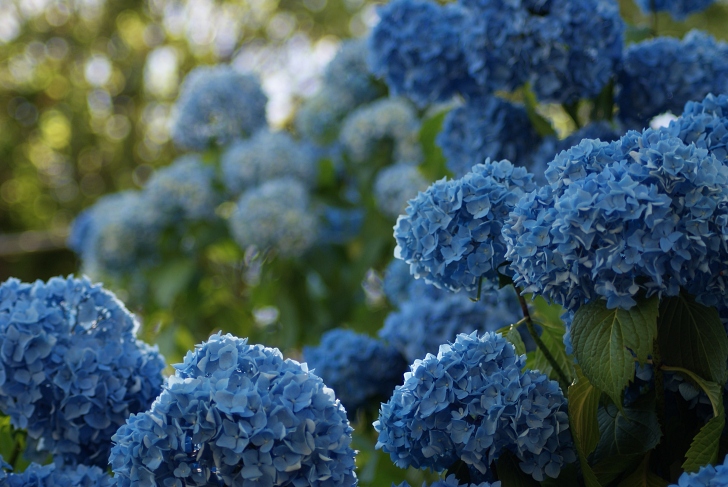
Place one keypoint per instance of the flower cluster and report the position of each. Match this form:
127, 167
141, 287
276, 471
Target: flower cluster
236, 414
265, 156
52, 476
664, 73
452, 481
707, 476
429, 318
217, 105
416, 48
389, 119
276, 215
451, 234
73, 368
705, 124
486, 127
361, 370
678, 9
471, 402
395, 185
644, 213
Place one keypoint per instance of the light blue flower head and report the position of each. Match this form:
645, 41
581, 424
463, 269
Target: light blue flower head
217, 105
705, 124
71, 368
349, 72
707, 476
275, 215
319, 117
52, 476
266, 156
451, 234
389, 119
471, 402
678, 9
664, 73
487, 127
416, 48
395, 185
361, 370
237, 414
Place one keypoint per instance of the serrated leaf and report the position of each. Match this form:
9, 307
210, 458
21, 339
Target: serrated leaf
704, 448
643, 477
630, 431
514, 337
712, 390
605, 339
510, 474
553, 339
583, 404
692, 336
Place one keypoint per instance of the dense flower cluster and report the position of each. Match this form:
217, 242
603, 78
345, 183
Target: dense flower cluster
644, 213
707, 476
451, 234
678, 9
452, 481
471, 402
395, 185
705, 124
664, 73
275, 215
486, 127
265, 156
360, 369
429, 318
416, 48
237, 414
72, 368
217, 105
389, 119
51, 476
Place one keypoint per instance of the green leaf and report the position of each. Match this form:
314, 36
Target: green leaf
171, 279
704, 448
583, 403
631, 431
548, 315
553, 339
510, 474
692, 336
642, 477
433, 166
712, 390
514, 337
542, 126
615, 466
605, 339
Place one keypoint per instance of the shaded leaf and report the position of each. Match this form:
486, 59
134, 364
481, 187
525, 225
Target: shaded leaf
583, 403
643, 477
514, 337
712, 390
704, 448
553, 339
510, 474
631, 431
542, 126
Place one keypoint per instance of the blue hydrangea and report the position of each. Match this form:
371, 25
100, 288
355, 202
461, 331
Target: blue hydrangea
416, 48
451, 234
678, 9
183, 191
646, 214
51, 476
360, 369
349, 72
398, 281
471, 402
664, 73
275, 215
265, 156
217, 105
707, 476
73, 368
340, 225
319, 117
486, 127
389, 119
452, 481
427, 318
395, 185
705, 124
237, 414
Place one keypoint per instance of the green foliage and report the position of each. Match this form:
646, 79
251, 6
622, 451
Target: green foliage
704, 448
514, 337
583, 403
510, 474
643, 477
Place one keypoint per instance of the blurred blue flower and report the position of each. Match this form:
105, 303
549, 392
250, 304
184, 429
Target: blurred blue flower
416, 48
360, 369
51, 476
349, 72
389, 119
395, 185
707, 476
662, 74
265, 156
73, 368
452, 481
217, 105
237, 414
471, 402
451, 234
430, 317
705, 124
340, 225
276, 215
319, 116
678, 9
486, 127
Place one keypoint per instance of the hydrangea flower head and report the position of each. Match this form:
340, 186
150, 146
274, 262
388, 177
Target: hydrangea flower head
52, 476
349, 72
389, 119
73, 368
360, 369
451, 234
217, 105
471, 402
395, 185
275, 215
266, 156
319, 117
416, 48
486, 127
678, 9
236, 414
707, 476
705, 124
452, 481
662, 74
